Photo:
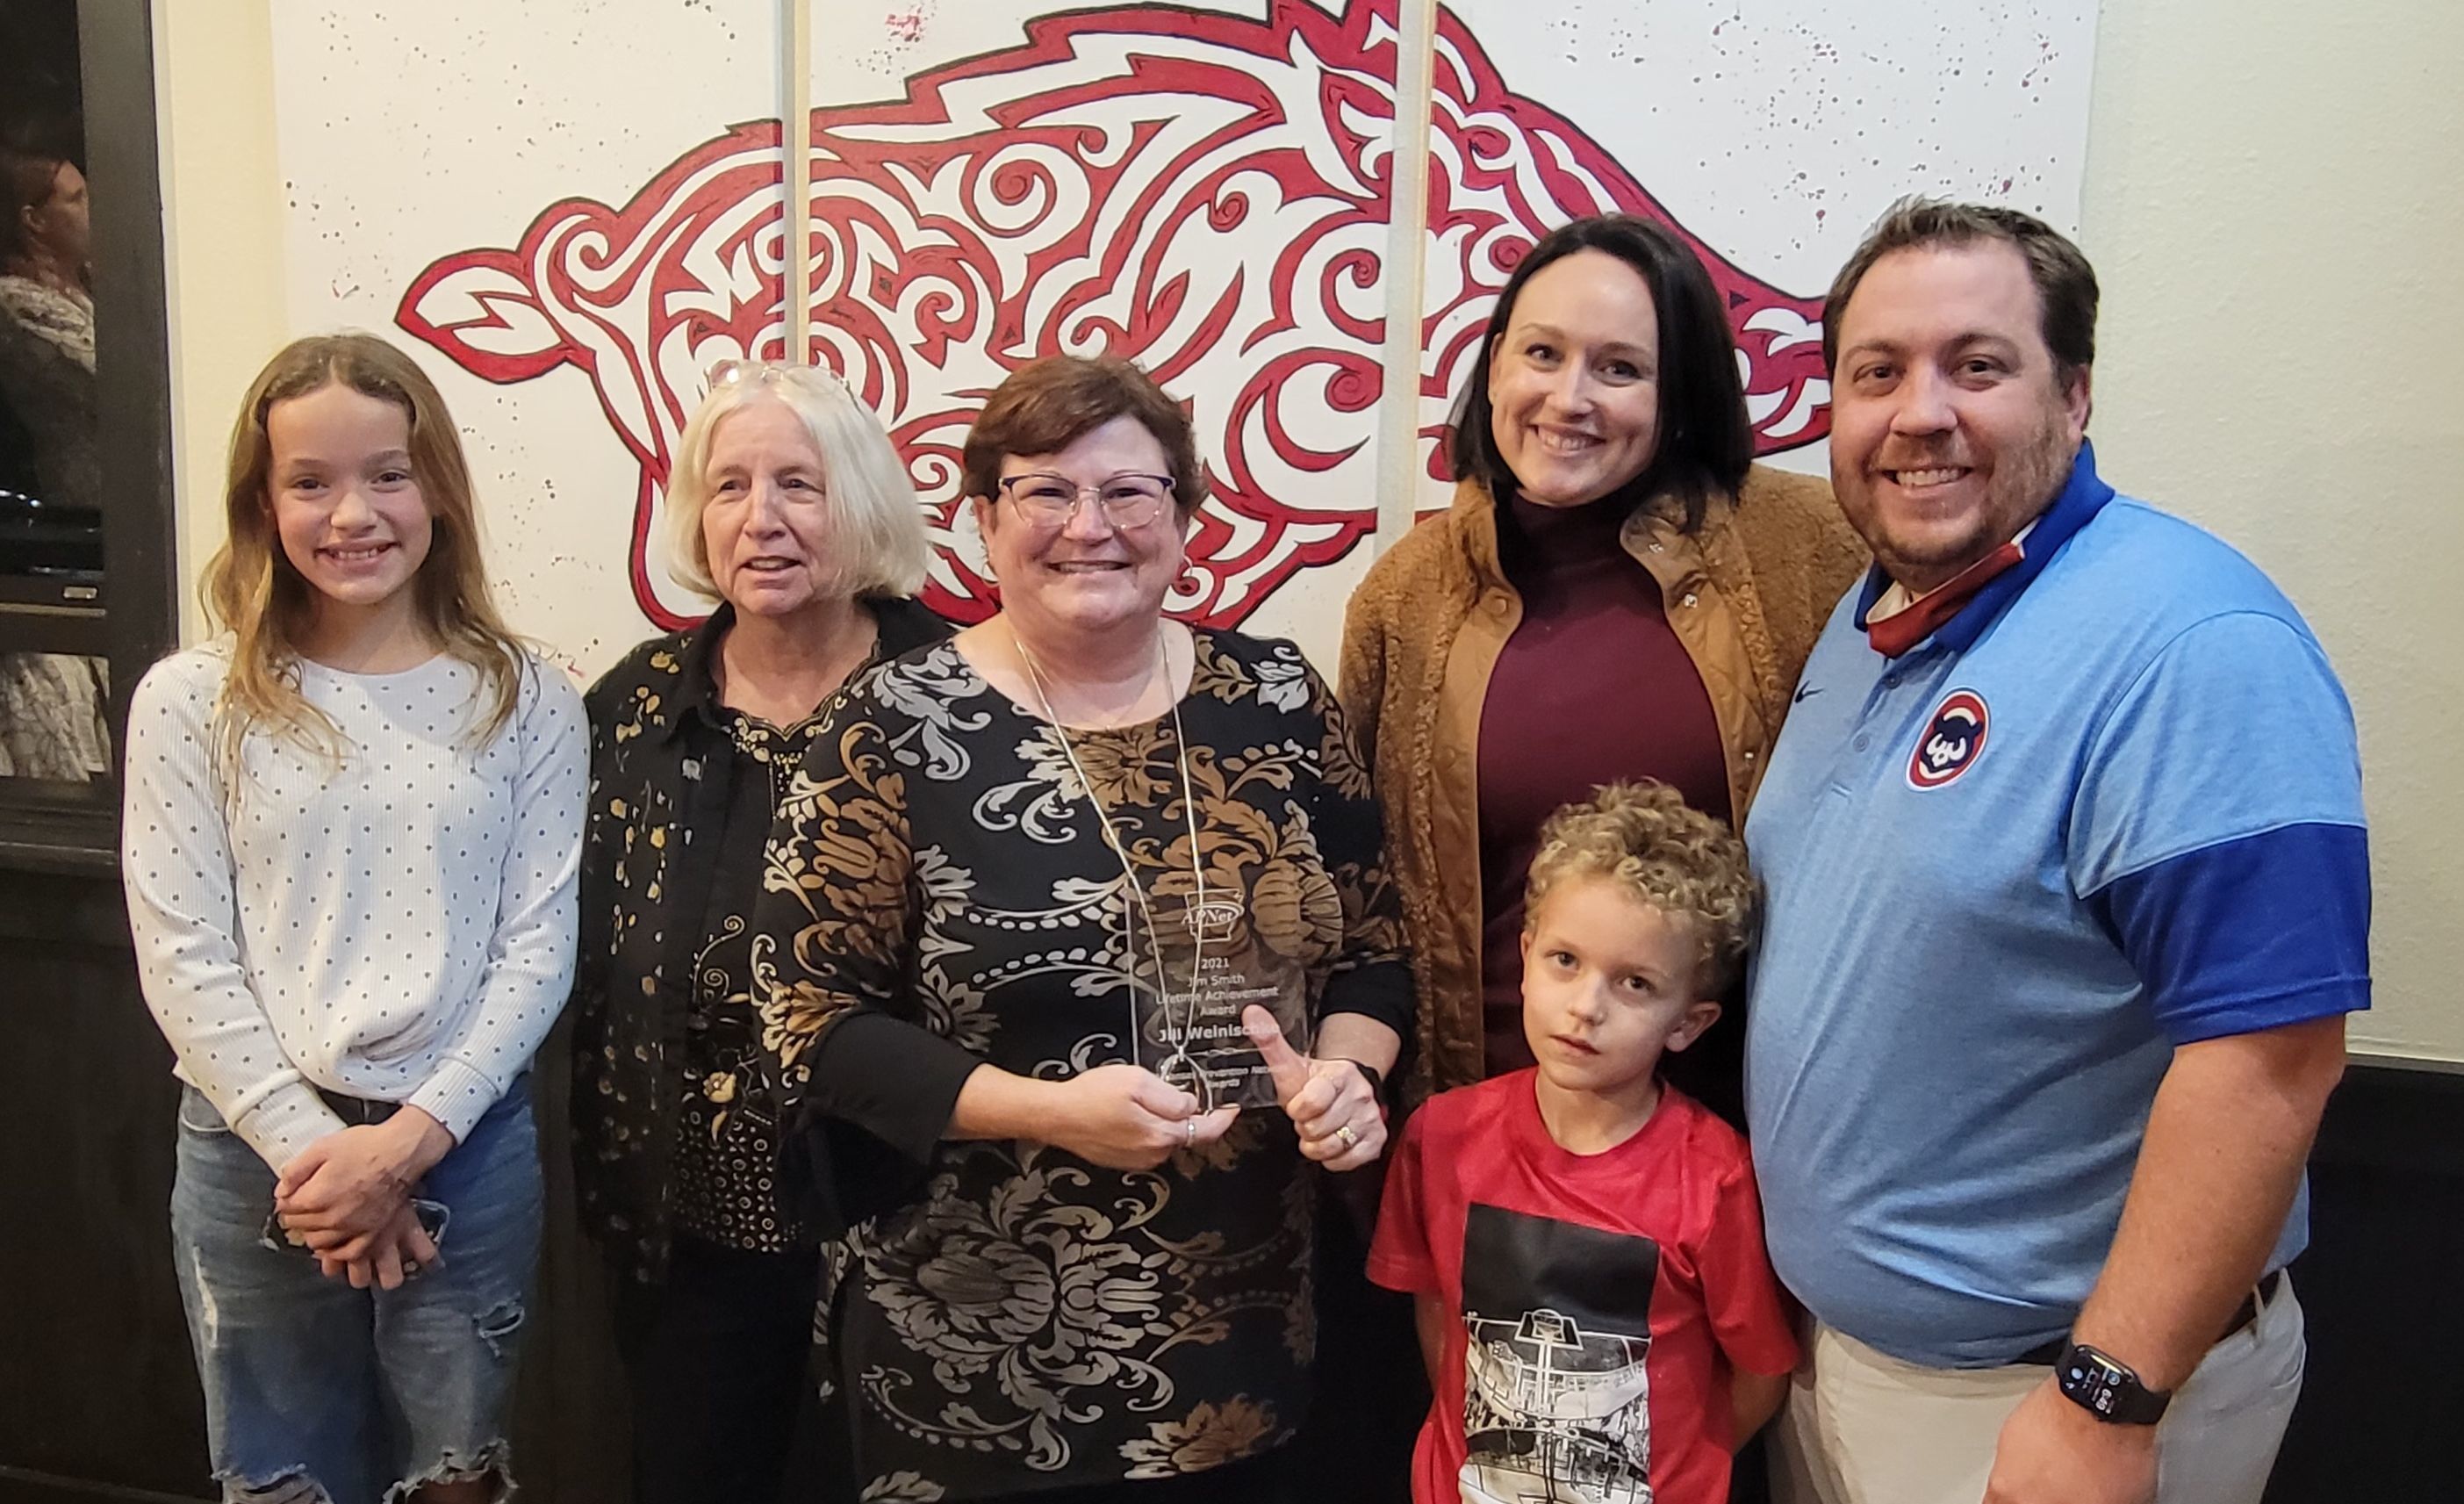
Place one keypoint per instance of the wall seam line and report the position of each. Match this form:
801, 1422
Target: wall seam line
1399, 405
796, 142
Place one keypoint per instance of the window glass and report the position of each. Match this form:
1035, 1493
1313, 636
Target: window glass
53, 704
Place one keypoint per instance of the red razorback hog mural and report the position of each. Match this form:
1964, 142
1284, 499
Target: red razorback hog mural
1206, 194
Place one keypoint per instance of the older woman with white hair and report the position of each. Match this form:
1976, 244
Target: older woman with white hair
791, 510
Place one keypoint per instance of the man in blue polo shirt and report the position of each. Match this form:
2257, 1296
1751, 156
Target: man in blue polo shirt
2068, 898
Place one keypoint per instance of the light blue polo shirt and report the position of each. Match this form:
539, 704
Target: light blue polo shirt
2112, 807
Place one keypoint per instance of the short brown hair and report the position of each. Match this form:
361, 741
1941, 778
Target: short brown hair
1056, 402
1671, 856
2066, 292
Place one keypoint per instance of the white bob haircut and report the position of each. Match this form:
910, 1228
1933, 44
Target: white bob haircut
875, 524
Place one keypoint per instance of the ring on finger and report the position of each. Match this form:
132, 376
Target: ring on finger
1189, 1132
1349, 1136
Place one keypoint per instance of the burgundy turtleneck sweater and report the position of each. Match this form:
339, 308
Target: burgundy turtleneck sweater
1593, 687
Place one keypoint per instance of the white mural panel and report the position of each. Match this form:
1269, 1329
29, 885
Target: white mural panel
1775, 131
408, 131
572, 210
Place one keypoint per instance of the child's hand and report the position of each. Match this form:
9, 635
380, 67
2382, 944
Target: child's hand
399, 1251
351, 1183
1328, 1101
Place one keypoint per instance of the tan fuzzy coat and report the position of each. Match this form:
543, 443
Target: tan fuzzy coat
1746, 593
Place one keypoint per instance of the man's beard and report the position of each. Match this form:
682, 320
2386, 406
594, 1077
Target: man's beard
2024, 483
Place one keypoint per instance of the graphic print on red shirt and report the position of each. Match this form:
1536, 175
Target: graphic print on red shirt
1603, 1300
1557, 1343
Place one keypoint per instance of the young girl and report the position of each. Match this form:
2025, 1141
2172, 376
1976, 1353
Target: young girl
350, 849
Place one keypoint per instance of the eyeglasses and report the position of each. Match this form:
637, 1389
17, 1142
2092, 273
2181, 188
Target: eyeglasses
731, 373
1127, 500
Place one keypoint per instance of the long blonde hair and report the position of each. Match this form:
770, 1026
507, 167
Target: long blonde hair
252, 588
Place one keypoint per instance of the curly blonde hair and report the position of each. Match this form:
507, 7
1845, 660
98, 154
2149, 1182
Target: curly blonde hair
1669, 855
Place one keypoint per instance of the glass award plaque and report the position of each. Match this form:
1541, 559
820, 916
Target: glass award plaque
1188, 1023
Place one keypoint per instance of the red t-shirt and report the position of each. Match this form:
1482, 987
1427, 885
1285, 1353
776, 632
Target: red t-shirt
1605, 1299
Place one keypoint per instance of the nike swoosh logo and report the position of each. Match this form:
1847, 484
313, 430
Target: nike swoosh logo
1804, 693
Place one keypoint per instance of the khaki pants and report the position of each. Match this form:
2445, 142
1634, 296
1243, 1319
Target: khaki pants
1861, 1427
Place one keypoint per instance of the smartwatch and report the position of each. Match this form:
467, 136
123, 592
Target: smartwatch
2106, 1388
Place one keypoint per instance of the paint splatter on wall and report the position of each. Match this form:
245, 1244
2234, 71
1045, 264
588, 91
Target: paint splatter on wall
1205, 189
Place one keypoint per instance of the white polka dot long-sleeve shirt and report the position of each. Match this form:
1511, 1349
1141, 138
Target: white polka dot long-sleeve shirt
398, 927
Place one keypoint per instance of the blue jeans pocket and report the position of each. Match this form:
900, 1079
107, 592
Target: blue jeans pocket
198, 1115
434, 1217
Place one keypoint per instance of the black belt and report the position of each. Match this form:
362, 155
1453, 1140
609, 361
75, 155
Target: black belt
2047, 1354
357, 1110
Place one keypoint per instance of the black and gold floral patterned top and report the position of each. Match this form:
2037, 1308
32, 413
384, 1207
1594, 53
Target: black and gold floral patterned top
939, 894
679, 1081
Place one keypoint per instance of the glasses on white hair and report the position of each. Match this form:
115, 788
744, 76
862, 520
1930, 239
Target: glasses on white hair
732, 373
1127, 500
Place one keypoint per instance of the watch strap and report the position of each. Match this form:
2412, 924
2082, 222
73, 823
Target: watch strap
1375, 1077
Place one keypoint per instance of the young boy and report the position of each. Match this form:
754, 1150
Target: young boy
1597, 1313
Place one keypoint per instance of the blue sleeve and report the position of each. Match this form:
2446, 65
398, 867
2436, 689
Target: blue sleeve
2236, 726
2269, 930
2219, 832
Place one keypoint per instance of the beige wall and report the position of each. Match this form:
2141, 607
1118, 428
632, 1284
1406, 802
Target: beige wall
222, 209
2269, 203
2273, 211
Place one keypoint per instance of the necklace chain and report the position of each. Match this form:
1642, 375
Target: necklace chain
1179, 1031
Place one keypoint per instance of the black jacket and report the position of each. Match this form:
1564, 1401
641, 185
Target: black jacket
663, 775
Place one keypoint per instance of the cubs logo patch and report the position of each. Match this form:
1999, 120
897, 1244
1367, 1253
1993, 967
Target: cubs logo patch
1953, 739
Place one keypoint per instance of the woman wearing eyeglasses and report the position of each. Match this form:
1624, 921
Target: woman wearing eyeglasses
1079, 922
790, 509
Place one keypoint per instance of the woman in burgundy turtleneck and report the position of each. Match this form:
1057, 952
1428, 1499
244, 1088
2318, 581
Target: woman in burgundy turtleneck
1617, 592
1551, 731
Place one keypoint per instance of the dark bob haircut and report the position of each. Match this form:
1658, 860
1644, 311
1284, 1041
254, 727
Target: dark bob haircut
1055, 402
1706, 440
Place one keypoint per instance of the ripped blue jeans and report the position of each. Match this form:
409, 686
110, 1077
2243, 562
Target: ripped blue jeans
317, 1393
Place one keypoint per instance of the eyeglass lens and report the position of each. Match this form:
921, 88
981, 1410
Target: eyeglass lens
1127, 500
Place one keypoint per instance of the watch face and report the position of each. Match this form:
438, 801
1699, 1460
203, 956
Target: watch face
2092, 1383
2105, 1388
